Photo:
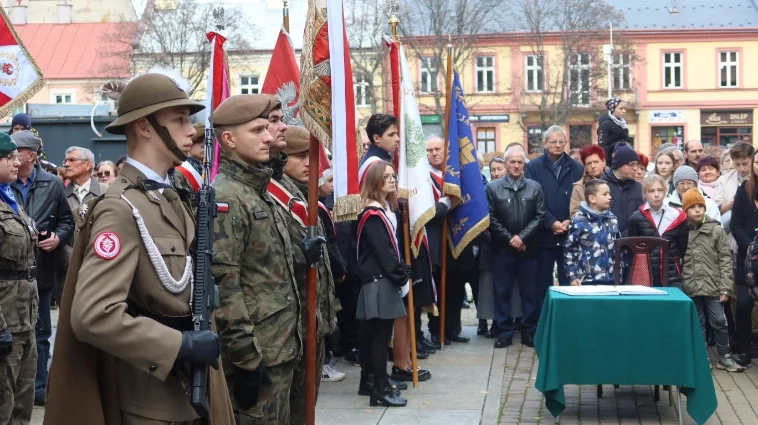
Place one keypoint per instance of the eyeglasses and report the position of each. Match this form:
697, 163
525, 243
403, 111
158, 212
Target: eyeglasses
102, 174
11, 157
72, 160
388, 177
556, 142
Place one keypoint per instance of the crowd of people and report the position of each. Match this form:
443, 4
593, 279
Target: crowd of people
111, 243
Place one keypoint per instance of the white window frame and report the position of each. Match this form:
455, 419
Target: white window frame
728, 64
670, 67
55, 93
622, 66
360, 88
537, 67
487, 143
426, 70
577, 68
250, 87
487, 73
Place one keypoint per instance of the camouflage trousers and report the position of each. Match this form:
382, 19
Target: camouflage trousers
273, 406
17, 373
297, 393
129, 419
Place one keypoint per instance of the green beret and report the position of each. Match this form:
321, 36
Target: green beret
7, 145
298, 140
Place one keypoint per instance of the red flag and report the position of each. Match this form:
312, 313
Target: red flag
217, 88
20, 77
283, 81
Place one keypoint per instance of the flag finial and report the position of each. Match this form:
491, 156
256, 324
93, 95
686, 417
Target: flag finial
394, 23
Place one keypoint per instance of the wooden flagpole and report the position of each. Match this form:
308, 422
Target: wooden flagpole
394, 22
310, 289
286, 17
443, 249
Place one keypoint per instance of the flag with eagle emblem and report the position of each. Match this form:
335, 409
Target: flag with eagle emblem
20, 77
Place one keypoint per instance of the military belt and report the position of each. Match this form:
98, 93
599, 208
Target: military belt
179, 323
28, 274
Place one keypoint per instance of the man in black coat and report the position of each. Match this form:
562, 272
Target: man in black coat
43, 198
517, 209
626, 193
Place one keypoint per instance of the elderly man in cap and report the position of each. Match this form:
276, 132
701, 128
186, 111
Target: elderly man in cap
259, 319
43, 198
125, 335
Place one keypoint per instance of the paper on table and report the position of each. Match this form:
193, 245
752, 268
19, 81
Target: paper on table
607, 290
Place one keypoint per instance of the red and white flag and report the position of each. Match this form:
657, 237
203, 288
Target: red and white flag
217, 88
20, 77
283, 81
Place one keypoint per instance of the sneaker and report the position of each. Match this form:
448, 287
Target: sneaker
726, 363
330, 374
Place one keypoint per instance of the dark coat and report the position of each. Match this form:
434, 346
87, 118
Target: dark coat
557, 192
641, 223
46, 204
376, 252
627, 198
609, 134
743, 225
514, 212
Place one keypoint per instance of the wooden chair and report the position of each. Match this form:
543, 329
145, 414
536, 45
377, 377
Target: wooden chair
640, 272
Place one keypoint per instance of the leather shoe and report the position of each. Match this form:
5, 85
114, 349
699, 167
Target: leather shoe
422, 355
406, 375
504, 342
436, 341
429, 344
421, 347
527, 339
457, 338
482, 328
742, 360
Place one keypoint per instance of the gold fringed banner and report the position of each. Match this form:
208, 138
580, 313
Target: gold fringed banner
347, 208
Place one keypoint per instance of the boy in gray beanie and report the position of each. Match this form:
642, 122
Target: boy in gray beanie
685, 178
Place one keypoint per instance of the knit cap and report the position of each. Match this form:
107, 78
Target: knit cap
685, 172
7, 145
623, 155
691, 198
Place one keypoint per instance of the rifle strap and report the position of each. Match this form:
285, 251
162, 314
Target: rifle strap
168, 281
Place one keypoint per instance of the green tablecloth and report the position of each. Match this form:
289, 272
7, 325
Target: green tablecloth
625, 340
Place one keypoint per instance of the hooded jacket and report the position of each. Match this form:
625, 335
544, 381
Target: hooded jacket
626, 198
609, 134
707, 263
641, 223
589, 247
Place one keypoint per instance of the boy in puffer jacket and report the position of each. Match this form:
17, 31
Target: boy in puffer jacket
707, 273
589, 246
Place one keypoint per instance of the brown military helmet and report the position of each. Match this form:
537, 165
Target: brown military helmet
144, 96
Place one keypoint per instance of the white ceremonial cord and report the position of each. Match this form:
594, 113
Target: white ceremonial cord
173, 286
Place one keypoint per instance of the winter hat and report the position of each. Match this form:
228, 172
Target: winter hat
22, 119
7, 145
665, 146
685, 172
612, 103
623, 155
691, 198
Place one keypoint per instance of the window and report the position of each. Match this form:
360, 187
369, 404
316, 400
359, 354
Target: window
725, 136
580, 135
485, 140
485, 74
63, 98
535, 78
622, 71
428, 76
663, 135
534, 140
249, 84
579, 81
672, 70
728, 69
362, 96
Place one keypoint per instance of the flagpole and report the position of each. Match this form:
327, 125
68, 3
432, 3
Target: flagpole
310, 290
286, 17
443, 249
394, 22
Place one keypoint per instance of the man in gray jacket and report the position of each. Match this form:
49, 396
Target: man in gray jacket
42, 196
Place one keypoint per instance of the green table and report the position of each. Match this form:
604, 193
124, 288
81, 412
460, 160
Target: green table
625, 340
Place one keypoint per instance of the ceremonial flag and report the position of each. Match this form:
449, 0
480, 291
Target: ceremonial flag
283, 81
463, 179
217, 88
20, 77
327, 101
414, 171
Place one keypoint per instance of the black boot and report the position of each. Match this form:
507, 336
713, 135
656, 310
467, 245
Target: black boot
482, 329
367, 385
382, 394
493, 332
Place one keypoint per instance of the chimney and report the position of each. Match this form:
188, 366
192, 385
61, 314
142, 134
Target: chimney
64, 13
19, 15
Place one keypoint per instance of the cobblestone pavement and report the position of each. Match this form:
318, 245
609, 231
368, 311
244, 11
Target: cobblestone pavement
522, 404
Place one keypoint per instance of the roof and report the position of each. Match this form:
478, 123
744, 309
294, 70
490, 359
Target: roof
693, 14
79, 51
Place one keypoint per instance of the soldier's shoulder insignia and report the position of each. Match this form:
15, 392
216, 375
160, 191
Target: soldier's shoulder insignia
222, 207
153, 195
107, 245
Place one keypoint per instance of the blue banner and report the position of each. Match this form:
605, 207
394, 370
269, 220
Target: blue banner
463, 179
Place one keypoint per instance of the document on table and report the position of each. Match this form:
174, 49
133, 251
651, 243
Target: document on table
593, 290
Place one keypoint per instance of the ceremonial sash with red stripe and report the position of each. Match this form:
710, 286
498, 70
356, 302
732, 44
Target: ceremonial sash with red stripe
390, 229
193, 177
362, 171
437, 186
297, 207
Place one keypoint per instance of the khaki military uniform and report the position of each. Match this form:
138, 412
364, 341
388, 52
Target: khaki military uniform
259, 317
18, 313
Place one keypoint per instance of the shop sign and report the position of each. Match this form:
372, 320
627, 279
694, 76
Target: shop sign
490, 118
666, 116
714, 118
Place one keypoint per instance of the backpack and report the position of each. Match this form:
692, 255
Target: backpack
751, 268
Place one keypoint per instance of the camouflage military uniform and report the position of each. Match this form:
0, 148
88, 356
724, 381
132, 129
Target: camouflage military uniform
18, 313
259, 317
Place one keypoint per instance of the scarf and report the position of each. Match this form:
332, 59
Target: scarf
7, 196
619, 121
710, 189
557, 164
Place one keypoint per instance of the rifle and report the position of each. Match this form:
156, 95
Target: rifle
205, 292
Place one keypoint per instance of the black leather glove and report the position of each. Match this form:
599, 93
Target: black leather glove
200, 347
312, 249
408, 270
248, 384
6, 342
